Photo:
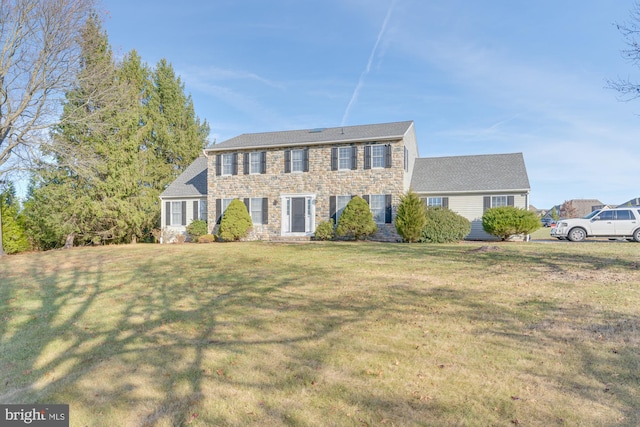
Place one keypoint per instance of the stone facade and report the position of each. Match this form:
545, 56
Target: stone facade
317, 185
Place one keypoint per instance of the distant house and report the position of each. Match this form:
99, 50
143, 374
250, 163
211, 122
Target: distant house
469, 185
184, 200
632, 202
580, 208
292, 180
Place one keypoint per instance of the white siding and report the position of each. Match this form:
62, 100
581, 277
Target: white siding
471, 206
412, 147
170, 231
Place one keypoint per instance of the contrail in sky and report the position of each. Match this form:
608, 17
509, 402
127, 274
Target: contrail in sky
356, 92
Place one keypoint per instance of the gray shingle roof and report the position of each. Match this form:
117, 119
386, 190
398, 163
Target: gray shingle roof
375, 132
190, 183
489, 172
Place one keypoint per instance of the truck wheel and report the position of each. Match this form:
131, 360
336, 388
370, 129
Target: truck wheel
577, 234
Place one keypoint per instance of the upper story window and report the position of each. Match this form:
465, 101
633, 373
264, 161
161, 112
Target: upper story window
296, 160
227, 164
344, 158
377, 156
255, 162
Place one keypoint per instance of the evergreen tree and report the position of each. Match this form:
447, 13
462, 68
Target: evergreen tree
411, 217
356, 220
14, 238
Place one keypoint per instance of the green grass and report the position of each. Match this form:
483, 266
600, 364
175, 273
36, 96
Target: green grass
326, 334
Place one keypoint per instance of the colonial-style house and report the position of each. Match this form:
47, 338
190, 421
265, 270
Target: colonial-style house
292, 180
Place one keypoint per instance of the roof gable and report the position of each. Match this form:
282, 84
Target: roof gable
458, 174
342, 134
192, 182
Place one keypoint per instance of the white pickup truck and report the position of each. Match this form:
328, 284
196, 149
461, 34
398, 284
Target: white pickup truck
614, 223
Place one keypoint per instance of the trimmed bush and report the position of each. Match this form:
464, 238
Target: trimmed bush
206, 238
444, 226
236, 222
356, 220
325, 230
196, 229
507, 221
411, 218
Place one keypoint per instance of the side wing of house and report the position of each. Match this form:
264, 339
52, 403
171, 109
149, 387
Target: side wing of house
469, 185
184, 201
291, 181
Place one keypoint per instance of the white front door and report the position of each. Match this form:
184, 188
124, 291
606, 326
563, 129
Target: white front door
298, 214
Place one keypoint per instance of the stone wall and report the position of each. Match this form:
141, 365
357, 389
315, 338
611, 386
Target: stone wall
320, 181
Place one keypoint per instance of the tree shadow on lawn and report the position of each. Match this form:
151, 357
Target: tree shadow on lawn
153, 340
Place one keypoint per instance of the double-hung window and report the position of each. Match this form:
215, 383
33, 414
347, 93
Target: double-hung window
227, 164
176, 213
378, 156
344, 158
297, 160
258, 209
341, 203
434, 201
255, 162
377, 204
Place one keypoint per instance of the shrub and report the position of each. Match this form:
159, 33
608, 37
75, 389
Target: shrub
444, 226
411, 217
206, 238
196, 229
506, 221
235, 222
325, 230
356, 220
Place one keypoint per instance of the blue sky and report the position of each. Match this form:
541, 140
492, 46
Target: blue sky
497, 76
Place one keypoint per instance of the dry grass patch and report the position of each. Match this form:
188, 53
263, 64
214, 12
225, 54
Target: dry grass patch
326, 334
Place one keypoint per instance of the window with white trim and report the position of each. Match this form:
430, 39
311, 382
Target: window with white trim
434, 201
203, 209
227, 164
344, 158
341, 203
378, 153
255, 209
497, 201
377, 204
255, 162
176, 213
297, 160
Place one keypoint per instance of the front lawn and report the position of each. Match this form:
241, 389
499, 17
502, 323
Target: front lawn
326, 334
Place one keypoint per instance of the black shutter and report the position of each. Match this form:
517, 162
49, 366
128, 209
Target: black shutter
265, 210
332, 208
195, 210
306, 159
246, 163
263, 162
334, 160
247, 203
445, 202
387, 157
184, 213
354, 158
486, 203
367, 157
366, 198
510, 201
235, 164
167, 213
287, 161
387, 210
218, 210
218, 164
